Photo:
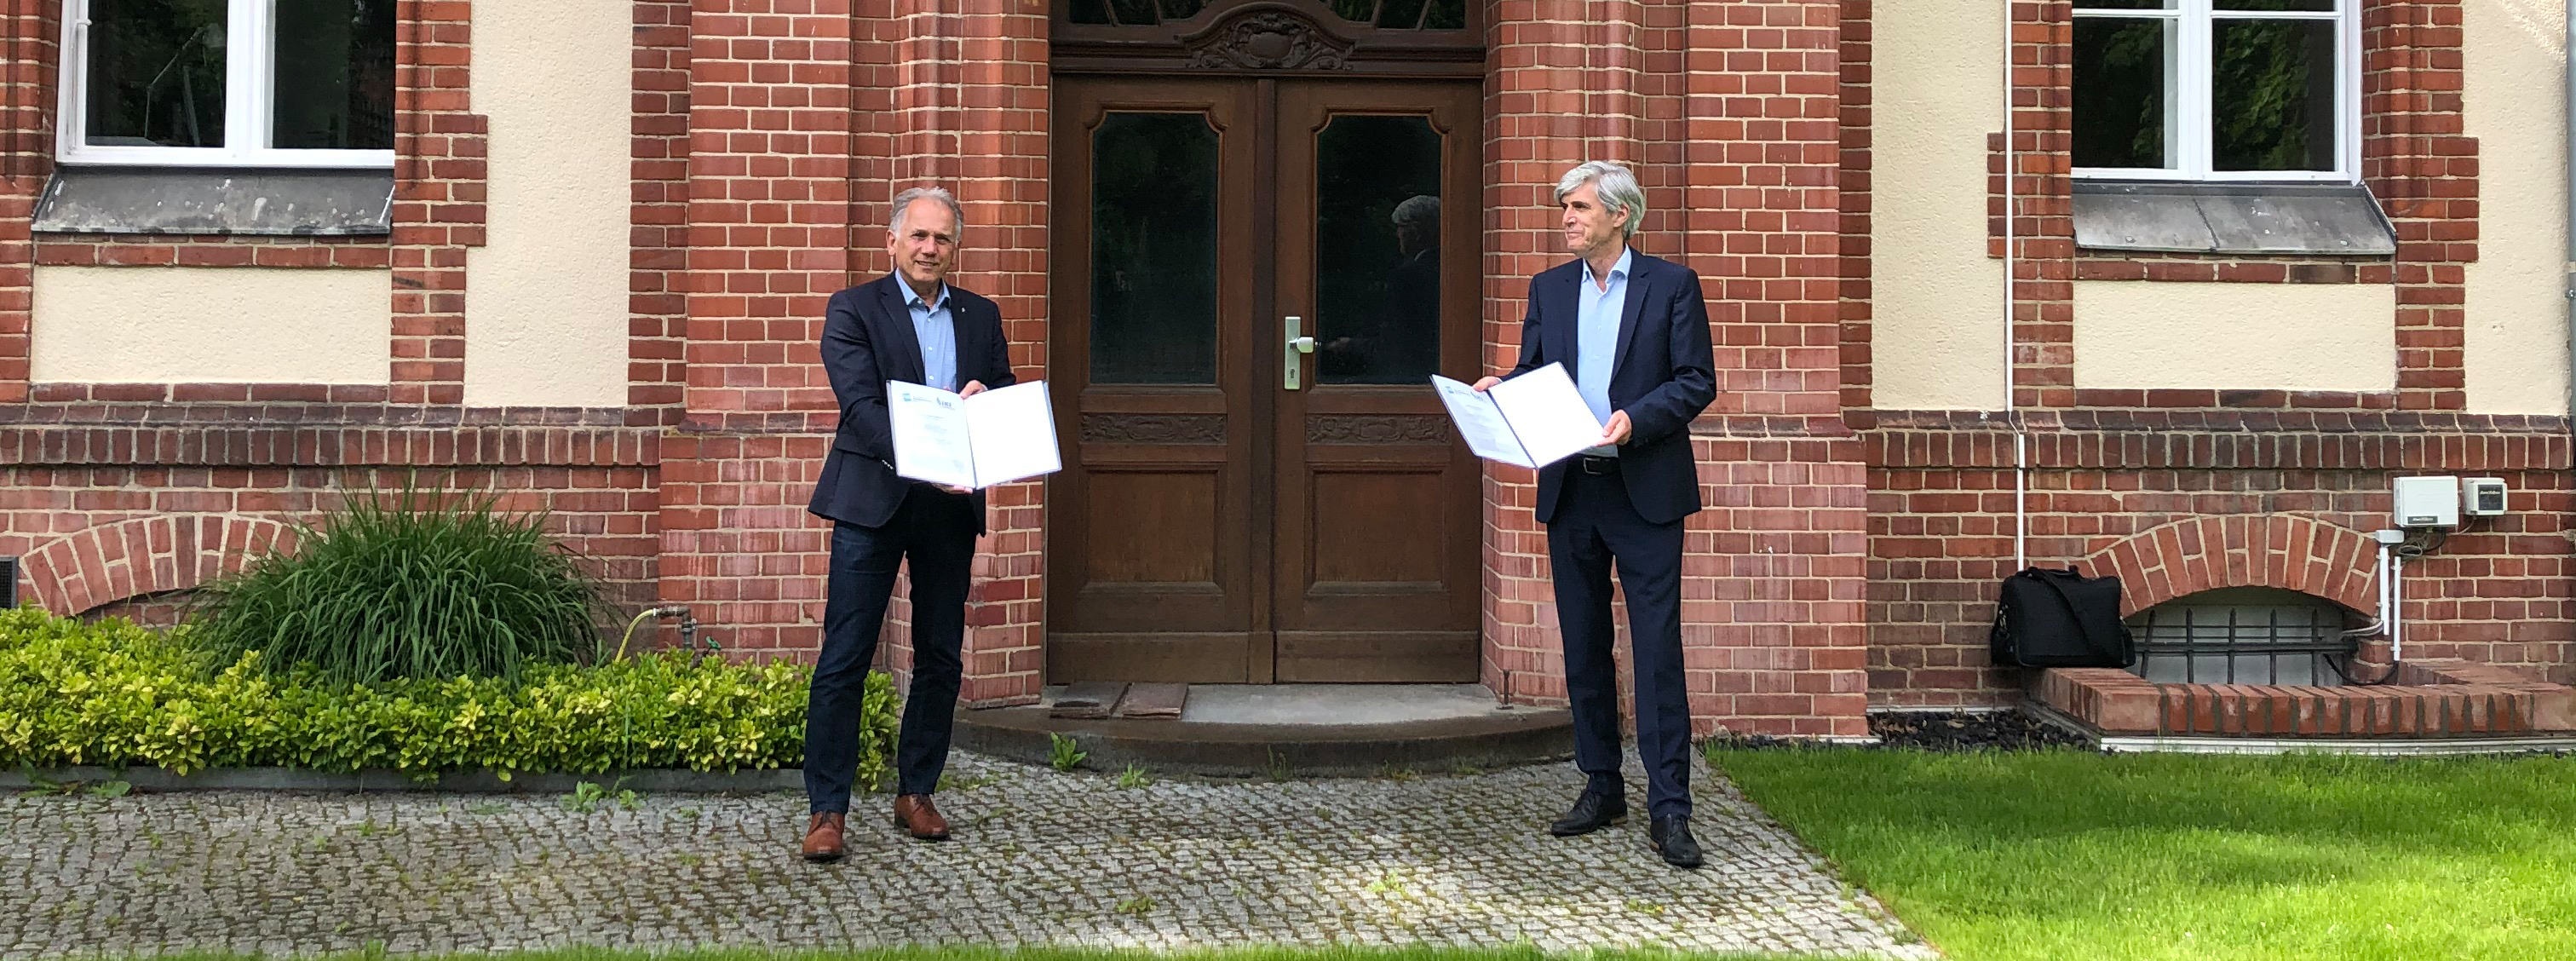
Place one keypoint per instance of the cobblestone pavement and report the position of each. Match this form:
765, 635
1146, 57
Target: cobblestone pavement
1041, 858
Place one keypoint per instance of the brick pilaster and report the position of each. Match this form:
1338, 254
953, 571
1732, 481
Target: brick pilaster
769, 230
439, 175
2423, 167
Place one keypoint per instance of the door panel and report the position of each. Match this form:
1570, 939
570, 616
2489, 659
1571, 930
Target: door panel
1376, 527
1215, 523
1153, 575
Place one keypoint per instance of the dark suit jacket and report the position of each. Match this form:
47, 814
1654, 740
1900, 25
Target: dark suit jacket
1664, 376
867, 341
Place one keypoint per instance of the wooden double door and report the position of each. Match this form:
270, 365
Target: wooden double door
1252, 281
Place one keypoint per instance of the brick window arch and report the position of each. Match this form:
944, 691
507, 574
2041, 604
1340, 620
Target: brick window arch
2275, 550
150, 555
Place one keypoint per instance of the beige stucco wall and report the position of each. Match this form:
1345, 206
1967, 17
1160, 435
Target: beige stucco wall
2515, 99
546, 298
199, 325
2149, 334
1937, 327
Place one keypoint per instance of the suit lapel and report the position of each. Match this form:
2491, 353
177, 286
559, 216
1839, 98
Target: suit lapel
1569, 305
1638, 270
908, 365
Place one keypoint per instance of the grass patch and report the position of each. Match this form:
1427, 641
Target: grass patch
2065, 854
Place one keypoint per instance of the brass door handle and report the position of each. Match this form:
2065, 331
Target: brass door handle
1298, 346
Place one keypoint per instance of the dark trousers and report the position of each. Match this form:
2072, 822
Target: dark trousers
1596, 526
935, 530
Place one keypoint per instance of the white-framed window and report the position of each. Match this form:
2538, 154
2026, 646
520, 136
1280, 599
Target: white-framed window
2217, 90
252, 83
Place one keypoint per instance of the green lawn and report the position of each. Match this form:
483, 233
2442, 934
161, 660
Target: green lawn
2066, 855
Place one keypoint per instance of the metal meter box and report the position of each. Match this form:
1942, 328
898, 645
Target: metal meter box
2482, 496
2427, 502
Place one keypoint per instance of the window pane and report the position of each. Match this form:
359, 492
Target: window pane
2317, 5
1446, 15
335, 75
1153, 249
1377, 250
2273, 103
2123, 92
2124, 4
156, 73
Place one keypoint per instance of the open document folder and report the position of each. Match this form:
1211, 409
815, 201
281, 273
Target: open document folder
1532, 420
995, 437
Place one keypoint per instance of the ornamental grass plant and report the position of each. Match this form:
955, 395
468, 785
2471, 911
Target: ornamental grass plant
417, 583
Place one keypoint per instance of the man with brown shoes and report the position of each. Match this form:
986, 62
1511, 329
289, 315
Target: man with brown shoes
907, 326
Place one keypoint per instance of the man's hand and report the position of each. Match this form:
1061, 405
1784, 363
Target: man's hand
1484, 383
1616, 432
972, 388
959, 491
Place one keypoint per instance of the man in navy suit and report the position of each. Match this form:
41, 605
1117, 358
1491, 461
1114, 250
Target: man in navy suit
908, 326
1633, 331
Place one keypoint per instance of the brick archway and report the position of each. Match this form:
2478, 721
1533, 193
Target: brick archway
109, 563
2275, 550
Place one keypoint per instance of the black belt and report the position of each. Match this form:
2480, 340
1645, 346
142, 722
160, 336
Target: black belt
1592, 464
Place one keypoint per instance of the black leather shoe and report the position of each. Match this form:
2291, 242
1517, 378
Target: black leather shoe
1591, 812
1672, 837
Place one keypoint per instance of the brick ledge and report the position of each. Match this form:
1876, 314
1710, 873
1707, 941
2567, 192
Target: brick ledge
2438, 698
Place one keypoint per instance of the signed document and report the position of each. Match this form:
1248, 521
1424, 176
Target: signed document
1532, 420
995, 437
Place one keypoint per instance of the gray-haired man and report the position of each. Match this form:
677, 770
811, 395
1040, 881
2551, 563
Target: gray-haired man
908, 326
1633, 330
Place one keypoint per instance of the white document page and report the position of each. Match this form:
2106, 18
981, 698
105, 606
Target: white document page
1480, 423
1013, 432
931, 438
1547, 414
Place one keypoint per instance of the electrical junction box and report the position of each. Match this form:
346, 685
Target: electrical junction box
2427, 502
2482, 496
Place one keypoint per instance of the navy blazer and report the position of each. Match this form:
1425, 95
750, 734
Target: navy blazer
1664, 376
867, 341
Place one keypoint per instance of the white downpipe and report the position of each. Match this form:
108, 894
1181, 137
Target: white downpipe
2396, 609
2021, 441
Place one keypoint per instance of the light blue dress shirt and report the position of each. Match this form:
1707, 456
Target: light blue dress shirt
937, 332
1596, 337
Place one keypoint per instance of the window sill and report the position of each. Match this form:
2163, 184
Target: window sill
2231, 218
221, 201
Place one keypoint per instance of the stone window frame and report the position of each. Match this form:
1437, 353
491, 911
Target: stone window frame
2188, 133
250, 73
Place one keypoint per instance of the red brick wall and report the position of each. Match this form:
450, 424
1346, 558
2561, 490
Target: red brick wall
1941, 516
99, 515
768, 229
1730, 110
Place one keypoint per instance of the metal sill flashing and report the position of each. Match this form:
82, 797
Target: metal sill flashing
200, 200
2270, 219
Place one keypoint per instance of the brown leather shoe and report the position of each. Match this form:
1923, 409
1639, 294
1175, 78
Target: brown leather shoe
915, 815
823, 837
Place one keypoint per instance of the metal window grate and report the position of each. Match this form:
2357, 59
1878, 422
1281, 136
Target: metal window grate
2277, 644
8, 583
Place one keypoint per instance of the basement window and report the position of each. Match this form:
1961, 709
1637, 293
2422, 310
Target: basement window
2243, 635
232, 83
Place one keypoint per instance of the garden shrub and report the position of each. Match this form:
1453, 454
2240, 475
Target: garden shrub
114, 694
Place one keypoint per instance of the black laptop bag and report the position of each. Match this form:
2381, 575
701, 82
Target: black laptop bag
2060, 618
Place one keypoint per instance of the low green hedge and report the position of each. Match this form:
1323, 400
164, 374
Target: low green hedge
114, 694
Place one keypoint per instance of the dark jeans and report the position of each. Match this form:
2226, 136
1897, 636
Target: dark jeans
935, 530
1595, 527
